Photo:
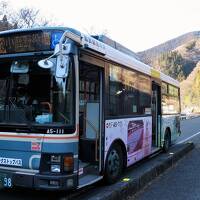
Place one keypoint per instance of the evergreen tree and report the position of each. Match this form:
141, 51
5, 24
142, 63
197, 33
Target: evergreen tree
173, 64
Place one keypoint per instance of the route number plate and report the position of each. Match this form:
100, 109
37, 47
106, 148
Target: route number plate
5, 181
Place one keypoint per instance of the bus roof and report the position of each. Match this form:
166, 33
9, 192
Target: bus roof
125, 59
109, 52
32, 29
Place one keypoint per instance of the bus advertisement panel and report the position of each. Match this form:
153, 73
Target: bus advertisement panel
135, 132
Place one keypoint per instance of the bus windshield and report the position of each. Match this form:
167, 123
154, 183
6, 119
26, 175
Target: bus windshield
32, 95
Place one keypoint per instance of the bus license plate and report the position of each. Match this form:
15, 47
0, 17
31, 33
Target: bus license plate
5, 181
11, 161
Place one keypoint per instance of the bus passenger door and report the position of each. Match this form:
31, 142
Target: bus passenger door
90, 118
156, 114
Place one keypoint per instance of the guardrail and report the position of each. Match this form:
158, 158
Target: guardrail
189, 116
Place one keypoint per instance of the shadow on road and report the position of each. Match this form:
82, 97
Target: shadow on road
22, 194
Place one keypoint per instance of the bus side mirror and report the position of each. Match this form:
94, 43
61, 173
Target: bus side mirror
62, 66
45, 64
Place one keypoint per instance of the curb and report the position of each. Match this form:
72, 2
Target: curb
141, 174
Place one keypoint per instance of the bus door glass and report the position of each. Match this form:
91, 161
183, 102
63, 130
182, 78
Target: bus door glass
156, 114
89, 112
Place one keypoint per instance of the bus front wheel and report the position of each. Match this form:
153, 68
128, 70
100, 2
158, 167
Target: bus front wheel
167, 141
114, 164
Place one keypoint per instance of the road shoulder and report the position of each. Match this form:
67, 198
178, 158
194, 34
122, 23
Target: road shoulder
136, 177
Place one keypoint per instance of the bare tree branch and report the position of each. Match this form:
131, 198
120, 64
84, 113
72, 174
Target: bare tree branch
3, 8
93, 31
23, 18
28, 18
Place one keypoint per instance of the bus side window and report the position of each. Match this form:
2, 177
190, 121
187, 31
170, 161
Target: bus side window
144, 87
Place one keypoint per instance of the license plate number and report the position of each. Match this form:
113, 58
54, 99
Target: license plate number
5, 181
10, 161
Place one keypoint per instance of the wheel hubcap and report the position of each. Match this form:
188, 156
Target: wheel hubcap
167, 141
113, 163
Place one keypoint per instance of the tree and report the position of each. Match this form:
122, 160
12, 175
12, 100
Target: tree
28, 18
22, 18
3, 8
174, 65
94, 31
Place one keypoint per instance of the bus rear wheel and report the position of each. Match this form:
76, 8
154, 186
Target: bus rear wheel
114, 164
167, 141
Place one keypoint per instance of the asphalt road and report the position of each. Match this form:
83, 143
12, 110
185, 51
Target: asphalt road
183, 181
190, 129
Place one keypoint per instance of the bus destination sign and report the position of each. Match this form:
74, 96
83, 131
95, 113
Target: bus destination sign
25, 42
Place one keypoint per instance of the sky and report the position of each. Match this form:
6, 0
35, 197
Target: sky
137, 24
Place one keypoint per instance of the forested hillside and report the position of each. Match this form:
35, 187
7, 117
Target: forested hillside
179, 58
190, 91
151, 54
173, 64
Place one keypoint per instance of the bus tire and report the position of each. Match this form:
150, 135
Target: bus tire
167, 141
114, 164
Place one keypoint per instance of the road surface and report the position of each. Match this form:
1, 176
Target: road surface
183, 180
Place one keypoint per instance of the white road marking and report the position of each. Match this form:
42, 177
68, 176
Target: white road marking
188, 138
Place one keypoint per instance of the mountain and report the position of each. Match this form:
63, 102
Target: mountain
174, 64
150, 54
190, 91
180, 59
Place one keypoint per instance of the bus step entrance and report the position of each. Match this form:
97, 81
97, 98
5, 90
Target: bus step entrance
87, 168
89, 179
88, 172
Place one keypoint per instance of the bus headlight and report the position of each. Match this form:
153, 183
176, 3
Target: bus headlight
55, 163
68, 163
55, 168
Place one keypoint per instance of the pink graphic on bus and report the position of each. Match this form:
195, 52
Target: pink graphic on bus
135, 136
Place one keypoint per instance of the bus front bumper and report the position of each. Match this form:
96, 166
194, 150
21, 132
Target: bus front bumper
37, 181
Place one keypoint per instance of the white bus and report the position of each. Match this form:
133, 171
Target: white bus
75, 109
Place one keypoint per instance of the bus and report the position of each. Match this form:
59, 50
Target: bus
75, 109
